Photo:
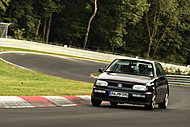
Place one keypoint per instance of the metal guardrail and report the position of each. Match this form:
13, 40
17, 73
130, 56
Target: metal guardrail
179, 79
76, 52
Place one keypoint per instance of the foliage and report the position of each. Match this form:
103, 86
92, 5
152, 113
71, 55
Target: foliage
18, 34
125, 12
4, 4
156, 29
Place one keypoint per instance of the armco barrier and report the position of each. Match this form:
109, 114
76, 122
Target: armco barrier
179, 79
57, 49
76, 52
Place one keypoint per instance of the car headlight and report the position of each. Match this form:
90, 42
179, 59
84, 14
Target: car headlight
140, 87
101, 83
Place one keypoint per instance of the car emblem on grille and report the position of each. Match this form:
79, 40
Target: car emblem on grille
120, 85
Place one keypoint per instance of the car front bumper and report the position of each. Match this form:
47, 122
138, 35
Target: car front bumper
134, 97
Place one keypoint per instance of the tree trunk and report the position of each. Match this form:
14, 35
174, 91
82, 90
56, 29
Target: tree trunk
48, 29
149, 48
71, 42
154, 31
89, 23
160, 39
37, 29
113, 49
44, 31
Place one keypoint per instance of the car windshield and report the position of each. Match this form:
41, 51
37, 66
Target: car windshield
132, 67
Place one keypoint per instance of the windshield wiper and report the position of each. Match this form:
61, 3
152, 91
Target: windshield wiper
110, 71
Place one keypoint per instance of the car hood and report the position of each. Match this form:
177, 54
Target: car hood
125, 77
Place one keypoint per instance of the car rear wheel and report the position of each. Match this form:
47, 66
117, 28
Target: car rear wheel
165, 103
95, 102
113, 103
152, 103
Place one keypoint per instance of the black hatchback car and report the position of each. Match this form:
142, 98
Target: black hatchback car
132, 81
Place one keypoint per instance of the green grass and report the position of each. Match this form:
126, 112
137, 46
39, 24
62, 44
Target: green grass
19, 82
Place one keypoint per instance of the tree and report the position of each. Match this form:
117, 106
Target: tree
50, 7
21, 15
3, 7
161, 14
89, 23
144, 28
125, 12
4, 4
101, 26
69, 26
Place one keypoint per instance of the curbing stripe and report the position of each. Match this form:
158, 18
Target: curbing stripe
42, 101
74, 99
59, 101
19, 107
13, 101
38, 101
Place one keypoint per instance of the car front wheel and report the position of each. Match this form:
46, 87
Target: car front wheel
165, 103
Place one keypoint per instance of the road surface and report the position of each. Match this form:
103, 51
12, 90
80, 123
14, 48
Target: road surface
177, 114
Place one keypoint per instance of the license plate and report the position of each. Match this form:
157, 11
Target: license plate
118, 94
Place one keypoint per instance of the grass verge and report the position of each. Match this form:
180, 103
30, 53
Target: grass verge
18, 82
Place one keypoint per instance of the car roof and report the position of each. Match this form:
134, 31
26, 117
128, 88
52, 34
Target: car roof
136, 59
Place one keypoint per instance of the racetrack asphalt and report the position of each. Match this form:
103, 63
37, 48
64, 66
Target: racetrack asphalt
176, 115
65, 67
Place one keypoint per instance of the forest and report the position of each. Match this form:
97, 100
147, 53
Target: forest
150, 29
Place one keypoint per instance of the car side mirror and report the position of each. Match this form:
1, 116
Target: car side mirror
101, 70
162, 77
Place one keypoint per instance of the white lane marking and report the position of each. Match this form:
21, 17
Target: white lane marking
13, 63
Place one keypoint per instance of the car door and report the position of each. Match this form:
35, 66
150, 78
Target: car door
161, 85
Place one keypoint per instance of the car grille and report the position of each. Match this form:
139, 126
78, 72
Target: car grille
114, 83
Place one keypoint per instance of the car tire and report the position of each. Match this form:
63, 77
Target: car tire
152, 103
113, 103
95, 102
165, 103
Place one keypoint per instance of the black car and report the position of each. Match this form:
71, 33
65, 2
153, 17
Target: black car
132, 81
